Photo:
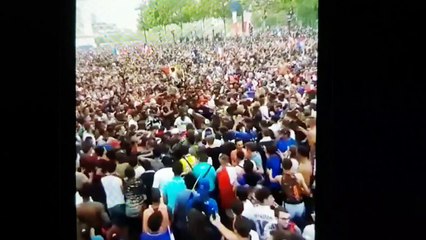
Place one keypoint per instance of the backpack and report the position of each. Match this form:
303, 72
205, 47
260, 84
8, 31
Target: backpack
291, 188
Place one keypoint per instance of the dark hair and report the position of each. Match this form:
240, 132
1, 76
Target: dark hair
99, 151
240, 155
129, 172
285, 234
191, 137
177, 168
287, 164
237, 207
167, 161
85, 190
199, 226
252, 146
86, 145
155, 195
133, 161
266, 133
159, 149
262, 194
110, 166
182, 150
111, 155
293, 151
279, 209
155, 220
285, 131
303, 151
248, 166
146, 164
242, 193
272, 149
202, 155
243, 227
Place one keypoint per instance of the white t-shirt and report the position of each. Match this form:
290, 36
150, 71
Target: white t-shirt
309, 232
254, 235
262, 215
265, 113
162, 177
112, 186
139, 170
248, 210
276, 127
181, 124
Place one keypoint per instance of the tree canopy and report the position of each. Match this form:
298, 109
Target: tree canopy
165, 12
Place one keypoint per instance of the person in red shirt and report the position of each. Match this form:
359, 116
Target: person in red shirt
227, 182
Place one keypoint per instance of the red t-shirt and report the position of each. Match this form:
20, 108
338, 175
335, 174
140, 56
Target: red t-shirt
226, 190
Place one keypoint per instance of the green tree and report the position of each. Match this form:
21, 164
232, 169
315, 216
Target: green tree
220, 9
307, 11
182, 12
204, 10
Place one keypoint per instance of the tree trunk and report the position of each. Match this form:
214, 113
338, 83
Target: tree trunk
203, 25
242, 24
144, 34
224, 27
181, 30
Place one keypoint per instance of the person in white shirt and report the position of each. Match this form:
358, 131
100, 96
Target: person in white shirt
113, 187
309, 230
242, 194
164, 175
282, 223
182, 121
139, 170
262, 213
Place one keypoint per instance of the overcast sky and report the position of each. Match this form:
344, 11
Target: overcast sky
119, 12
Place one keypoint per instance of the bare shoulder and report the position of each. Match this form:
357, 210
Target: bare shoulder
299, 176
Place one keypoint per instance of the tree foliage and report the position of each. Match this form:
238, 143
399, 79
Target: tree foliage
165, 12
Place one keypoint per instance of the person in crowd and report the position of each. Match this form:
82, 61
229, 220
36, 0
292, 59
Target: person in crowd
134, 194
282, 223
294, 187
204, 170
174, 187
144, 109
263, 213
113, 186
91, 213
156, 206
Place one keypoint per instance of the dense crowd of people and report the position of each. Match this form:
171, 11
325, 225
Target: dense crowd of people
213, 139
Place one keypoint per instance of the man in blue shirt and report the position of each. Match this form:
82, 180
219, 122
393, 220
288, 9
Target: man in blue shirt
273, 162
204, 170
174, 187
285, 141
202, 200
180, 230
